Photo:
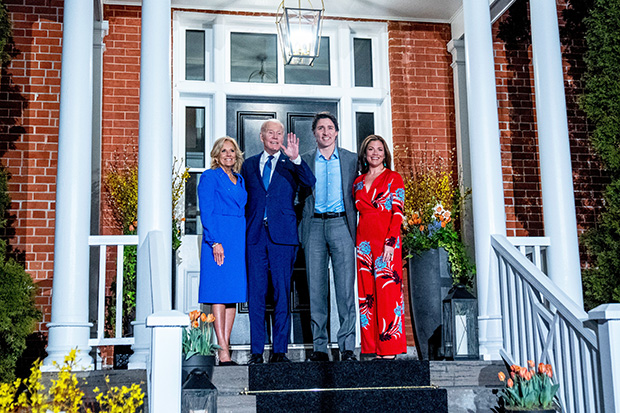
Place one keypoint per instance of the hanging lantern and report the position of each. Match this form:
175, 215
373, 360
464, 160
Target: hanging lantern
299, 31
460, 325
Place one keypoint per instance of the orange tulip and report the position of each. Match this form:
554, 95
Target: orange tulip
421, 227
530, 363
513, 375
510, 383
210, 318
443, 224
501, 376
203, 317
549, 371
541, 368
515, 368
193, 315
195, 323
522, 372
410, 222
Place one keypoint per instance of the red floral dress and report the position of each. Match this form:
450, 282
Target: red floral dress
380, 285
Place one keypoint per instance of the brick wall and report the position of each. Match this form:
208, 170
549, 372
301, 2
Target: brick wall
517, 116
121, 95
423, 123
29, 129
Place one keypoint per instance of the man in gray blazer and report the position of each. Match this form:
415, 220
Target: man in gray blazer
327, 230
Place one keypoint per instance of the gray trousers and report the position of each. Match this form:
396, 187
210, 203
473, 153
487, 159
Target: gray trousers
331, 238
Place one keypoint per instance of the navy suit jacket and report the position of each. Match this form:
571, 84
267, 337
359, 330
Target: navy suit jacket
279, 198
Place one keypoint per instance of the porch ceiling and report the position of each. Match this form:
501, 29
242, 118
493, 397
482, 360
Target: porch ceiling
409, 10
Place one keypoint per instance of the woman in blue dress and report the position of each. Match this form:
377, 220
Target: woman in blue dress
222, 198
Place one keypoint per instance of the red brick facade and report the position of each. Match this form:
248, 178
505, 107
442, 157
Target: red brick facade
422, 101
29, 128
517, 117
422, 118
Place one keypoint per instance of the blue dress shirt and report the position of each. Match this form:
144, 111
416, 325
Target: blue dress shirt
328, 187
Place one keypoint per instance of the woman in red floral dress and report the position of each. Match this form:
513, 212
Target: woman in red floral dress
379, 196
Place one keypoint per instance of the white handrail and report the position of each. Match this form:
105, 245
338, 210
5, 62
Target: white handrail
541, 323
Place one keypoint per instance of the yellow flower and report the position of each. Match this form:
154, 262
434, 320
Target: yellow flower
210, 318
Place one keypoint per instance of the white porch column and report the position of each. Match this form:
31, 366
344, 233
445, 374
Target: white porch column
70, 327
486, 169
459, 76
154, 163
564, 266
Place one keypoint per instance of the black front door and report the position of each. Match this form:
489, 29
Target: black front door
244, 119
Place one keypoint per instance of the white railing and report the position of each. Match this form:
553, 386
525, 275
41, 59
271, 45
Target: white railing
534, 249
104, 242
541, 323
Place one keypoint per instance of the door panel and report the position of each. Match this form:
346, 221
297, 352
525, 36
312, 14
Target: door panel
244, 119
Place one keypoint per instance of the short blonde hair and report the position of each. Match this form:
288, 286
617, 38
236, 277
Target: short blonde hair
217, 149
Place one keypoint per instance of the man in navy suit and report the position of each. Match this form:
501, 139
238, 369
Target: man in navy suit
272, 179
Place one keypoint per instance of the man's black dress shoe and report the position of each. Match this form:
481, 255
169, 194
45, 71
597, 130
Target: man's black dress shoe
278, 358
228, 363
318, 356
256, 358
348, 355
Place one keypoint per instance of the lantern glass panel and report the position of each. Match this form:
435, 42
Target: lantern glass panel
446, 330
465, 340
299, 30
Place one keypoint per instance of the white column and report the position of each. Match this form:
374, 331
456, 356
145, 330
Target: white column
154, 163
564, 266
486, 169
70, 327
607, 318
459, 75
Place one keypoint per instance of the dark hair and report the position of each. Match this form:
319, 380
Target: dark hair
324, 115
361, 157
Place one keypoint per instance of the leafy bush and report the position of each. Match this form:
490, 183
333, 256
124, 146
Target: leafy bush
18, 313
601, 102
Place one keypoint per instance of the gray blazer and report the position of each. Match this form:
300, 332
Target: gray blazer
348, 171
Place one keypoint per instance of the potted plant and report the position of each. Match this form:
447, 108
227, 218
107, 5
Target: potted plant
529, 390
198, 346
437, 257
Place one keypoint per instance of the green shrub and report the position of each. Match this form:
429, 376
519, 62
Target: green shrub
601, 102
17, 307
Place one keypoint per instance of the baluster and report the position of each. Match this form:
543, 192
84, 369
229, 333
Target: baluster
101, 293
503, 290
120, 261
512, 311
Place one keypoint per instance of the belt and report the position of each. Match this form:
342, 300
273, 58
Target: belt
327, 215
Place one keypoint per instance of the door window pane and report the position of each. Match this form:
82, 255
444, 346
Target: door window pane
195, 55
364, 125
193, 225
362, 54
195, 137
253, 58
317, 74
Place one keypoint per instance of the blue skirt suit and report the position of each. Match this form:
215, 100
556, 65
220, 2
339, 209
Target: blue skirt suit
222, 212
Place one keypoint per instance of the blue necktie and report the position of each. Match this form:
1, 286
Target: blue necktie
267, 172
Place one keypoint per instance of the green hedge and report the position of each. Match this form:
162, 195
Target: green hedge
601, 102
